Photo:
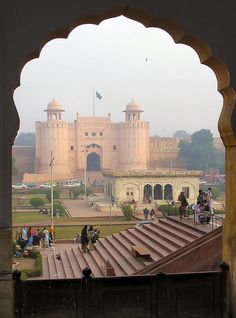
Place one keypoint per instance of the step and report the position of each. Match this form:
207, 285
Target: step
186, 225
45, 268
52, 267
120, 260
127, 255
173, 233
73, 263
78, 254
119, 271
60, 268
168, 236
155, 255
182, 227
147, 241
126, 245
96, 270
99, 260
153, 236
66, 265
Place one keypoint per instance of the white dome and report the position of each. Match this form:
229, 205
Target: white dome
132, 106
54, 105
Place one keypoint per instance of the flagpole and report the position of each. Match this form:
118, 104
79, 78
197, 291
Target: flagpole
93, 104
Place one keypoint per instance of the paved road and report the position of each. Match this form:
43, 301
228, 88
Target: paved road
80, 208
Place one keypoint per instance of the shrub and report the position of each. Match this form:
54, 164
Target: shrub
168, 209
58, 206
38, 265
127, 211
36, 202
215, 191
56, 194
77, 191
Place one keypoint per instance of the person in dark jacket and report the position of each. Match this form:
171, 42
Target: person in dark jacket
84, 239
183, 204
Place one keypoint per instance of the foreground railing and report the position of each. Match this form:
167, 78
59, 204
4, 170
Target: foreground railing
174, 295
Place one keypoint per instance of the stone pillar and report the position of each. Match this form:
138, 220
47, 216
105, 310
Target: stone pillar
6, 290
9, 123
229, 229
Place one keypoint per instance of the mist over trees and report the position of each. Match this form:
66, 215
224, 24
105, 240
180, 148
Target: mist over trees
13, 167
181, 134
200, 154
25, 139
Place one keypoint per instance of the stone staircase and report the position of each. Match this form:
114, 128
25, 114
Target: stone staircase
161, 238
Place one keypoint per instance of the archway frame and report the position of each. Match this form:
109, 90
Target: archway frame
100, 12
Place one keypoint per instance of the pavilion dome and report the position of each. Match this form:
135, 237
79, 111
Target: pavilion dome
132, 106
54, 105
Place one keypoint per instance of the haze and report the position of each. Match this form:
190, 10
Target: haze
122, 60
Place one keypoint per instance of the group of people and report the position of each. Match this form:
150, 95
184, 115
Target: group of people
204, 204
146, 213
34, 236
88, 237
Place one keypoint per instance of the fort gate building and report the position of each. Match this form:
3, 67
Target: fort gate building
209, 28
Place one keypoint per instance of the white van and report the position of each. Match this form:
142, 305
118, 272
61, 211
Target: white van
72, 183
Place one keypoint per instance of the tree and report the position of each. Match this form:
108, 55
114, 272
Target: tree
127, 211
58, 207
36, 202
77, 191
199, 154
215, 192
14, 168
56, 194
181, 134
25, 139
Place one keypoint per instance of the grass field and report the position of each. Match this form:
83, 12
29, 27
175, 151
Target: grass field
70, 232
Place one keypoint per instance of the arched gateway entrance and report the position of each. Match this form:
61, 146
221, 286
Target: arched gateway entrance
93, 162
25, 22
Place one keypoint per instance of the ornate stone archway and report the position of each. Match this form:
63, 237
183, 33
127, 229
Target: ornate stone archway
22, 41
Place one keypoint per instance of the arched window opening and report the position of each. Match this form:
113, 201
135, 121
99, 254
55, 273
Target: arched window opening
168, 192
93, 162
158, 192
147, 193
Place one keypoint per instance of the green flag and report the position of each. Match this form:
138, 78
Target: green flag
98, 95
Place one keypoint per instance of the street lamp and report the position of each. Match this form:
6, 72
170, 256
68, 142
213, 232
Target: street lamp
51, 165
84, 149
110, 194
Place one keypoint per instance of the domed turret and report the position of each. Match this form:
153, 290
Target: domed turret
54, 105
132, 111
54, 110
134, 135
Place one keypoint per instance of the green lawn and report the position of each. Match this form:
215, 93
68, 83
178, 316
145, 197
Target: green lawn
70, 232
30, 217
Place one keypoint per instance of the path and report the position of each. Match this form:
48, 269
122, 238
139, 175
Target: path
80, 208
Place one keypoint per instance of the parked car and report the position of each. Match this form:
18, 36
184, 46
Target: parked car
72, 183
47, 185
32, 185
19, 186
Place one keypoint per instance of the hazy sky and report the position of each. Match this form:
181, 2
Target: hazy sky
122, 60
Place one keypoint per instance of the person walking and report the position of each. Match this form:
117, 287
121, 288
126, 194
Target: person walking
200, 197
183, 204
152, 214
145, 213
210, 200
84, 239
196, 210
91, 236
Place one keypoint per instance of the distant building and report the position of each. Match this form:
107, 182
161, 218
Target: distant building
151, 185
96, 143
